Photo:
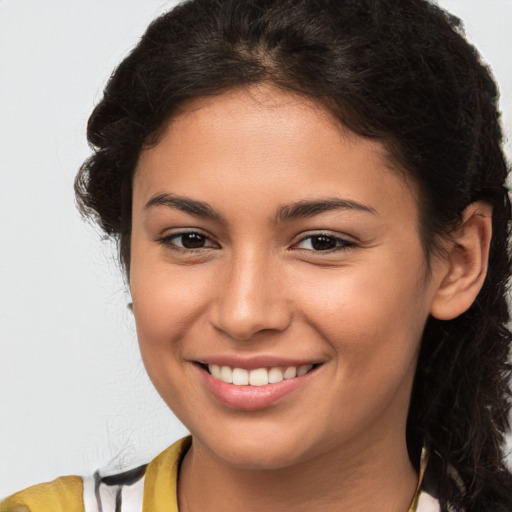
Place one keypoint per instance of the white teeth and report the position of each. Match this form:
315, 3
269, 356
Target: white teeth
257, 377
290, 372
302, 370
226, 374
214, 370
240, 377
275, 375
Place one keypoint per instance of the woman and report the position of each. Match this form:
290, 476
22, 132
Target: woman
310, 206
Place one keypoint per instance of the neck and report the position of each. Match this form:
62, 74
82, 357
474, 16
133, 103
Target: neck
377, 476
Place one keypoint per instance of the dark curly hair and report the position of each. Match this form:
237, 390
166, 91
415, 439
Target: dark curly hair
394, 70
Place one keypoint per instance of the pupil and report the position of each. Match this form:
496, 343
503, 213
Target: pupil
323, 243
193, 240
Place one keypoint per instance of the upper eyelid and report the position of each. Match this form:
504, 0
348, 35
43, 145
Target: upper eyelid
174, 232
343, 242
321, 232
186, 231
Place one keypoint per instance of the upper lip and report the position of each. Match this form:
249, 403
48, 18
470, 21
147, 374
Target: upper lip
256, 361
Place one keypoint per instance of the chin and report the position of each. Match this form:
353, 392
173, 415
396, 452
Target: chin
257, 449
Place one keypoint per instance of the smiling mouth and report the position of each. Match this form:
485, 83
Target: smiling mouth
258, 376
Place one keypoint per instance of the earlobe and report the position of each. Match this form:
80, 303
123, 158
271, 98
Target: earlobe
466, 259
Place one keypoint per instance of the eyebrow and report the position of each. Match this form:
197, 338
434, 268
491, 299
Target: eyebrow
305, 209
297, 210
184, 204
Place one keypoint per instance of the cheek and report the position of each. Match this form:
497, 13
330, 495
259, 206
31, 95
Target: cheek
374, 331
167, 302
165, 307
371, 318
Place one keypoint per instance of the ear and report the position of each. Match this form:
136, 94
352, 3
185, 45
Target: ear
464, 264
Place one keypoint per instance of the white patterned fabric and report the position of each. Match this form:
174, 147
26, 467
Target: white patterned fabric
115, 491
427, 503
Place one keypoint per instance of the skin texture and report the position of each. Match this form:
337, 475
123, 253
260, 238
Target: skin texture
256, 287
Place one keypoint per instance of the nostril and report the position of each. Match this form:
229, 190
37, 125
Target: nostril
244, 321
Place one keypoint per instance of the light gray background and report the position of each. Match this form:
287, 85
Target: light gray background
73, 392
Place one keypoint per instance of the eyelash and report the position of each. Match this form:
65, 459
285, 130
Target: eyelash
341, 244
170, 241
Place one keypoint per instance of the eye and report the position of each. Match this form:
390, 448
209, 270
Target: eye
188, 240
323, 242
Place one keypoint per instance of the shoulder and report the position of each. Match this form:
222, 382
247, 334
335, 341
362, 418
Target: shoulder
146, 487
61, 495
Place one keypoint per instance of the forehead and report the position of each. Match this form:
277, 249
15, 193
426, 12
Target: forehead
259, 140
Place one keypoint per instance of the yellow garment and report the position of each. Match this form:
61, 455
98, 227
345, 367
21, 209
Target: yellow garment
159, 496
65, 494
61, 495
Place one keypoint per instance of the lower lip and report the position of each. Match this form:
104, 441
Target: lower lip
251, 398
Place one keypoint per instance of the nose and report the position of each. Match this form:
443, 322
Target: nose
251, 298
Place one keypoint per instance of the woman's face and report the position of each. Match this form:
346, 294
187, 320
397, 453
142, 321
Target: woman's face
268, 242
